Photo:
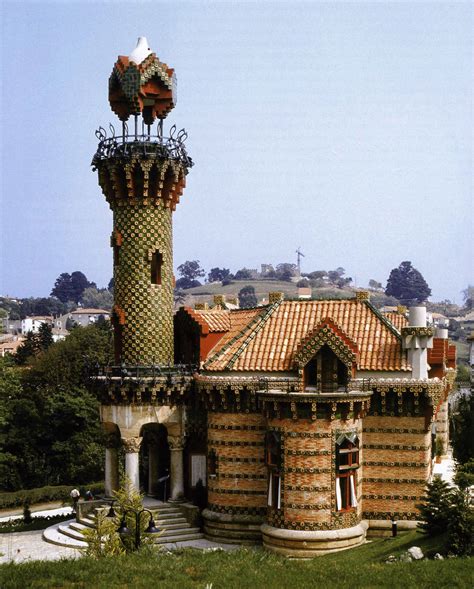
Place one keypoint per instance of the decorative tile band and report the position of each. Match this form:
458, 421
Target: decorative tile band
307, 452
306, 470
240, 459
237, 491
308, 435
393, 430
239, 475
247, 428
308, 488
403, 464
394, 497
404, 481
235, 443
393, 447
237, 510
306, 506
395, 515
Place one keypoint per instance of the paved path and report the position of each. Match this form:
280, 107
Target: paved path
22, 546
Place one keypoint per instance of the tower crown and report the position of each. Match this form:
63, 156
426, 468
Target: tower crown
142, 84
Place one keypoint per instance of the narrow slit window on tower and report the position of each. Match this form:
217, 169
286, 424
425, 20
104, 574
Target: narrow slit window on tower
156, 265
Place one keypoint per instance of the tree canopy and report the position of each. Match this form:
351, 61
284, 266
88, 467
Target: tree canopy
218, 274
70, 287
407, 284
247, 297
189, 271
51, 431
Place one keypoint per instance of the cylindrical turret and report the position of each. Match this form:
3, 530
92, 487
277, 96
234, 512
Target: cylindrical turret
142, 177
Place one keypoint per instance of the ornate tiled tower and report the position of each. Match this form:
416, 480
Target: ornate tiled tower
142, 177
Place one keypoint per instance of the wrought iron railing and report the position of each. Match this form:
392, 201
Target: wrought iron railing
144, 144
153, 371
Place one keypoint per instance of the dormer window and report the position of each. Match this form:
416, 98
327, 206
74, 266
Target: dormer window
325, 372
347, 463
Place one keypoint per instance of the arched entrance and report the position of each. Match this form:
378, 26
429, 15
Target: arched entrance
155, 461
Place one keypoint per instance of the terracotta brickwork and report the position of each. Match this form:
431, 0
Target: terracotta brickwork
397, 462
238, 443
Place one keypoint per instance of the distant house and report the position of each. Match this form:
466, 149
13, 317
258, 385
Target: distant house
10, 345
304, 292
438, 320
82, 317
59, 333
34, 323
466, 321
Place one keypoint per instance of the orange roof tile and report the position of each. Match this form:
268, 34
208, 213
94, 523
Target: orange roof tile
397, 319
267, 338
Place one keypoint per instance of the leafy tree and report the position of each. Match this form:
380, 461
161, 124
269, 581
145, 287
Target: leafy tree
190, 271
304, 282
69, 287
71, 324
110, 286
97, 298
42, 306
335, 276
468, 297
285, 271
434, 511
27, 349
316, 275
462, 430
375, 285
51, 432
243, 274
407, 284
218, 274
247, 297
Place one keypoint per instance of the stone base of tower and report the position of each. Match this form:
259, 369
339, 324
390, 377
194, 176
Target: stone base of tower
306, 544
232, 529
382, 528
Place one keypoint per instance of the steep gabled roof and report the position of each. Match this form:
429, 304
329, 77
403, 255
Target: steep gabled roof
397, 319
267, 338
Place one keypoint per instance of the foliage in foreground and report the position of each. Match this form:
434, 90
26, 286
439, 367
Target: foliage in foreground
45, 495
447, 508
248, 569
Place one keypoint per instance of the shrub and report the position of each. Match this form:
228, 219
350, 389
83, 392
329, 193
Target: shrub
45, 494
460, 525
435, 510
464, 477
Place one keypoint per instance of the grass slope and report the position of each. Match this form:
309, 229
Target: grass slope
249, 569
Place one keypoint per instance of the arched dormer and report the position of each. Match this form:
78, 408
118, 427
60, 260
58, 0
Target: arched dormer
326, 359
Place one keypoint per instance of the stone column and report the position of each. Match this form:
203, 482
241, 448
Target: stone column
152, 445
111, 465
132, 449
176, 444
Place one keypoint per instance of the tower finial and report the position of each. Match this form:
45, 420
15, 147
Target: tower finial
141, 51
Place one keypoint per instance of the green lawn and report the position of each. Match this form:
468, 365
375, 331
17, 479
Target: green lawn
249, 569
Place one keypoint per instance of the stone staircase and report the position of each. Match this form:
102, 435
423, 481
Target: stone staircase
168, 518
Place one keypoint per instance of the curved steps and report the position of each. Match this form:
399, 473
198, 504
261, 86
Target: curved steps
174, 529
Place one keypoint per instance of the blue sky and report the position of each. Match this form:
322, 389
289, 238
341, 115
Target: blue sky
343, 128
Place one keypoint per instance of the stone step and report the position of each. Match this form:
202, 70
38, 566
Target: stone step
87, 521
179, 532
165, 522
54, 536
177, 539
77, 526
72, 533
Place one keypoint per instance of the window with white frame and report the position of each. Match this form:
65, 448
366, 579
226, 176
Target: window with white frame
347, 464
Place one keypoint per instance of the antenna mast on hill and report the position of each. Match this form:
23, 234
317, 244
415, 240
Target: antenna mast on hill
299, 255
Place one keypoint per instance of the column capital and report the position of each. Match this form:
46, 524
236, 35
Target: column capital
131, 445
176, 442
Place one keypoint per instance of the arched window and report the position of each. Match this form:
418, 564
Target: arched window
273, 460
347, 463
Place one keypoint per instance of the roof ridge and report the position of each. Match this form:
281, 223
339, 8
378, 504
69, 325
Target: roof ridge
260, 321
256, 319
383, 319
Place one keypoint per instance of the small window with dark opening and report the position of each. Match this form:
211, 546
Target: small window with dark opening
156, 264
212, 464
